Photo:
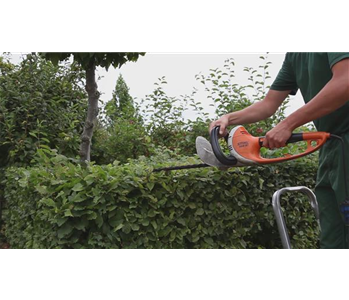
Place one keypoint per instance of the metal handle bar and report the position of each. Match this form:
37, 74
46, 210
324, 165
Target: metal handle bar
280, 220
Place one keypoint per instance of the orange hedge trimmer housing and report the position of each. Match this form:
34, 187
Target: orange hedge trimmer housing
246, 148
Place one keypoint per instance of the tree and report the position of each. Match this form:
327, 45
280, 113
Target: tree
120, 134
89, 62
122, 104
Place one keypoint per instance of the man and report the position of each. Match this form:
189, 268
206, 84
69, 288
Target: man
323, 79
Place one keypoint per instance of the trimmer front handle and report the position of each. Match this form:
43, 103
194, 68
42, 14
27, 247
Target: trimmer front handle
224, 159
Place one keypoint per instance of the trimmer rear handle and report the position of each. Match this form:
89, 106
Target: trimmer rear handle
295, 137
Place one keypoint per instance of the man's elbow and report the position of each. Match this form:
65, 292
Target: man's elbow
272, 101
269, 111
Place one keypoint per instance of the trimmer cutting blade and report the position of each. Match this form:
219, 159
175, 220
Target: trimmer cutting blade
205, 152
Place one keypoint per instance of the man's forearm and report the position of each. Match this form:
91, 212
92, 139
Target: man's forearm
259, 110
251, 114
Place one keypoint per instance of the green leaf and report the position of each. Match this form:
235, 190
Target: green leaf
154, 224
116, 220
126, 229
45, 146
89, 179
120, 226
114, 185
180, 194
41, 189
99, 220
200, 212
209, 241
92, 215
77, 198
165, 231
81, 224
172, 236
195, 239
151, 213
33, 134
285, 151
145, 222
261, 181
78, 187
61, 221
150, 185
134, 227
243, 243
68, 213
48, 201
172, 215
65, 230
192, 205
181, 221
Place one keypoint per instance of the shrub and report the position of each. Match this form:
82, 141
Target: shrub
60, 204
40, 106
125, 139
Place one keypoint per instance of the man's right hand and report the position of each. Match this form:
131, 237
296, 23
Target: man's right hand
223, 122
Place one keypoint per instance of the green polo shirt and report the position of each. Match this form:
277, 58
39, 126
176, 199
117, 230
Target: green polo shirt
310, 72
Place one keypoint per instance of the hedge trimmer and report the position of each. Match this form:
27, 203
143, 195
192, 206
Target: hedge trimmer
245, 149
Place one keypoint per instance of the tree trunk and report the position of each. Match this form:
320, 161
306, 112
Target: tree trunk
92, 112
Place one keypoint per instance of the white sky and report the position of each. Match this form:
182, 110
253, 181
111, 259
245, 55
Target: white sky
180, 70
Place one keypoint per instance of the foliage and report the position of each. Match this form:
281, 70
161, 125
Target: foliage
121, 105
227, 96
125, 139
121, 134
84, 59
89, 62
59, 204
164, 114
41, 106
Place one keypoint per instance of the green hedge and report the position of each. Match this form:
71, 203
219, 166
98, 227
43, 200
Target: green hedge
60, 204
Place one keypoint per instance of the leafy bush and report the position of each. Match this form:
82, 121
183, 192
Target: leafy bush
59, 204
125, 139
40, 106
120, 133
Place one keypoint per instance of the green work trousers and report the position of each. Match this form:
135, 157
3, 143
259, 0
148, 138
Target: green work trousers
330, 193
